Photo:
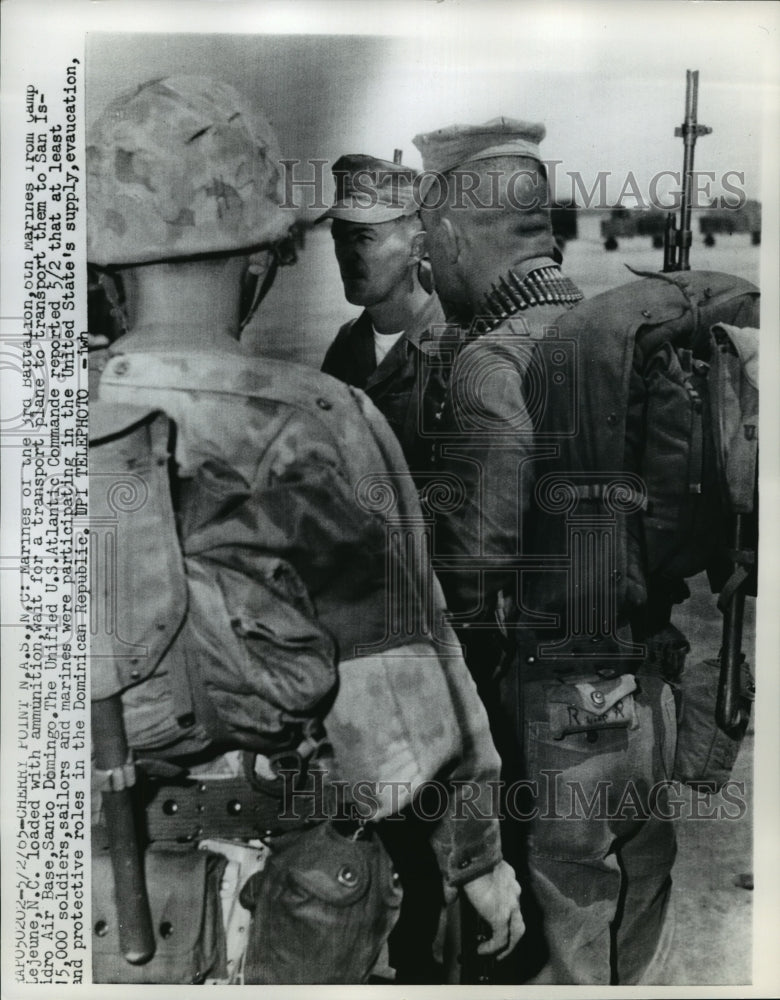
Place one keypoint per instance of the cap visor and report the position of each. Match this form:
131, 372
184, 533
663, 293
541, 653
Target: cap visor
369, 214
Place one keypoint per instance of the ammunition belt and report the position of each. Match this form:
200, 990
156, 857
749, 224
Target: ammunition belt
542, 286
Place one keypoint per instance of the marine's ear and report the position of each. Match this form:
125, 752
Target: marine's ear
451, 241
419, 247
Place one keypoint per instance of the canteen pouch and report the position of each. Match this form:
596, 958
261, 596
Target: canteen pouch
705, 754
322, 909
183, 886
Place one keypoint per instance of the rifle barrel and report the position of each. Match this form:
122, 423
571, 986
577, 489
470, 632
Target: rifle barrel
689, 131
677, 245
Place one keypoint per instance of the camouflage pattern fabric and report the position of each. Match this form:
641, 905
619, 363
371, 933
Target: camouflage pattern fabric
183, 166
304, 444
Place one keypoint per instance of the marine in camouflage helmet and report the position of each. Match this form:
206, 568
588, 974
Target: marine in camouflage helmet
263, 517
180, 167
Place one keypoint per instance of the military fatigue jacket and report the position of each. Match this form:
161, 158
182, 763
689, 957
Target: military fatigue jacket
306, 471
486, 446
407, 386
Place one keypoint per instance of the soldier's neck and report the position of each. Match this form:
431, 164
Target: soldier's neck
399, 310
194, 295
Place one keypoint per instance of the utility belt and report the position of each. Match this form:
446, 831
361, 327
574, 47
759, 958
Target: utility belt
228, 809
532, 667
231, 855
240, 808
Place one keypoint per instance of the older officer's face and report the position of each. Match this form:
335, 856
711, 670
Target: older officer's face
373, 259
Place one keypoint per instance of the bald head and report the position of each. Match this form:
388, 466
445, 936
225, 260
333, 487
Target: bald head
483, 218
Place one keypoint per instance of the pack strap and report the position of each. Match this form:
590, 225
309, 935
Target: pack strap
696, 459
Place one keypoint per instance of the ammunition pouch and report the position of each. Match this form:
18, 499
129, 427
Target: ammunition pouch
705, 754
588, 704
331, 901
667, 650
183, 886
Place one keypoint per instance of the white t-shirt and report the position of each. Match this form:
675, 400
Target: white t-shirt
383, 342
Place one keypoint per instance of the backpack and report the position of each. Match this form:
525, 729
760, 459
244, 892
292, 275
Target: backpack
699, 459
203, 654
665, 442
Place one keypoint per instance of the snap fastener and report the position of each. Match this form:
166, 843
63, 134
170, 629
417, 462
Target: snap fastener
233, 807
101, 928
597, 697
347, 877
166, 929
170, 807
121, 367
324, 404
202, 787
464, 862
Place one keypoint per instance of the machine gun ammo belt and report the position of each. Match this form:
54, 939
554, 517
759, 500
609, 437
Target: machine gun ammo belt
227, 808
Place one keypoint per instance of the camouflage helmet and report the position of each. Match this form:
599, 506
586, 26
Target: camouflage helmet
178, 167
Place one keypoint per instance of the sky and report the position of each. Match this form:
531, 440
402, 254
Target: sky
607, 80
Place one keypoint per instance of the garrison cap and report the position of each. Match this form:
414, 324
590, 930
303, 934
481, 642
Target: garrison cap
371, 190
457, 145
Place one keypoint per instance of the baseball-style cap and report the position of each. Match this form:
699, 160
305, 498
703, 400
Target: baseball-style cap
458, 145
371, 190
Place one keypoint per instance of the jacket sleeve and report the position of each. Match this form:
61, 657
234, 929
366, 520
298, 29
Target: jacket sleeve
465, 835
485, 450
467, 840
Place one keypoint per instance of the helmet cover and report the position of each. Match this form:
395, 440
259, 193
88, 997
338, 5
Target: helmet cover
179, 167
